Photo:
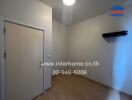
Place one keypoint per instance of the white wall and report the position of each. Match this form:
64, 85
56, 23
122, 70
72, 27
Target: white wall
59, 43
33, 13
85, 42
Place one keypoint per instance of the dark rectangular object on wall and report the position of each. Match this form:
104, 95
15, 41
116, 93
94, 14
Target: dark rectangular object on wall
115, 34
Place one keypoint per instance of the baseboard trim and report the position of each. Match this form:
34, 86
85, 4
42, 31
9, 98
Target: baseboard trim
98, 83
38, 96
104, 85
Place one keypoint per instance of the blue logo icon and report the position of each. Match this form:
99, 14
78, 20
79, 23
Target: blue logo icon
117, 10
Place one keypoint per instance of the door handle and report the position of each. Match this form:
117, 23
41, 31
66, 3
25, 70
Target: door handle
41, 64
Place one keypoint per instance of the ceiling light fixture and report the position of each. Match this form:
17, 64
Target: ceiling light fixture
69, 2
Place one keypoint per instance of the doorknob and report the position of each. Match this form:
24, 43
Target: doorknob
42, 64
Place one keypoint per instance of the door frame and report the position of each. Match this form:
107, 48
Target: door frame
3, 61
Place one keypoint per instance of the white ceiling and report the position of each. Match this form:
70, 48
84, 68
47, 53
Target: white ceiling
83, 9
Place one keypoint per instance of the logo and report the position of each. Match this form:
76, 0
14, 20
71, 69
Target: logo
117, 10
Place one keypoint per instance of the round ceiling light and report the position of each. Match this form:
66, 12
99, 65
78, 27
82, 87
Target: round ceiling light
69, 2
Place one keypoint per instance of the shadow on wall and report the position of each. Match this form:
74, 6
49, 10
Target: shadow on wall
122, 62
112, 44
121, 69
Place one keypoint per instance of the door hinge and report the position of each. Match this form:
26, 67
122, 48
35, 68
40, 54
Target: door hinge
4, 30
4, 55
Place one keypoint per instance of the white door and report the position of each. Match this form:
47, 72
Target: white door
24, 53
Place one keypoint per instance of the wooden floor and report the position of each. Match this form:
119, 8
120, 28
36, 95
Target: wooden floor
78, 88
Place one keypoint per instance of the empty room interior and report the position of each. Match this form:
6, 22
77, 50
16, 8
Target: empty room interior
65, 49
